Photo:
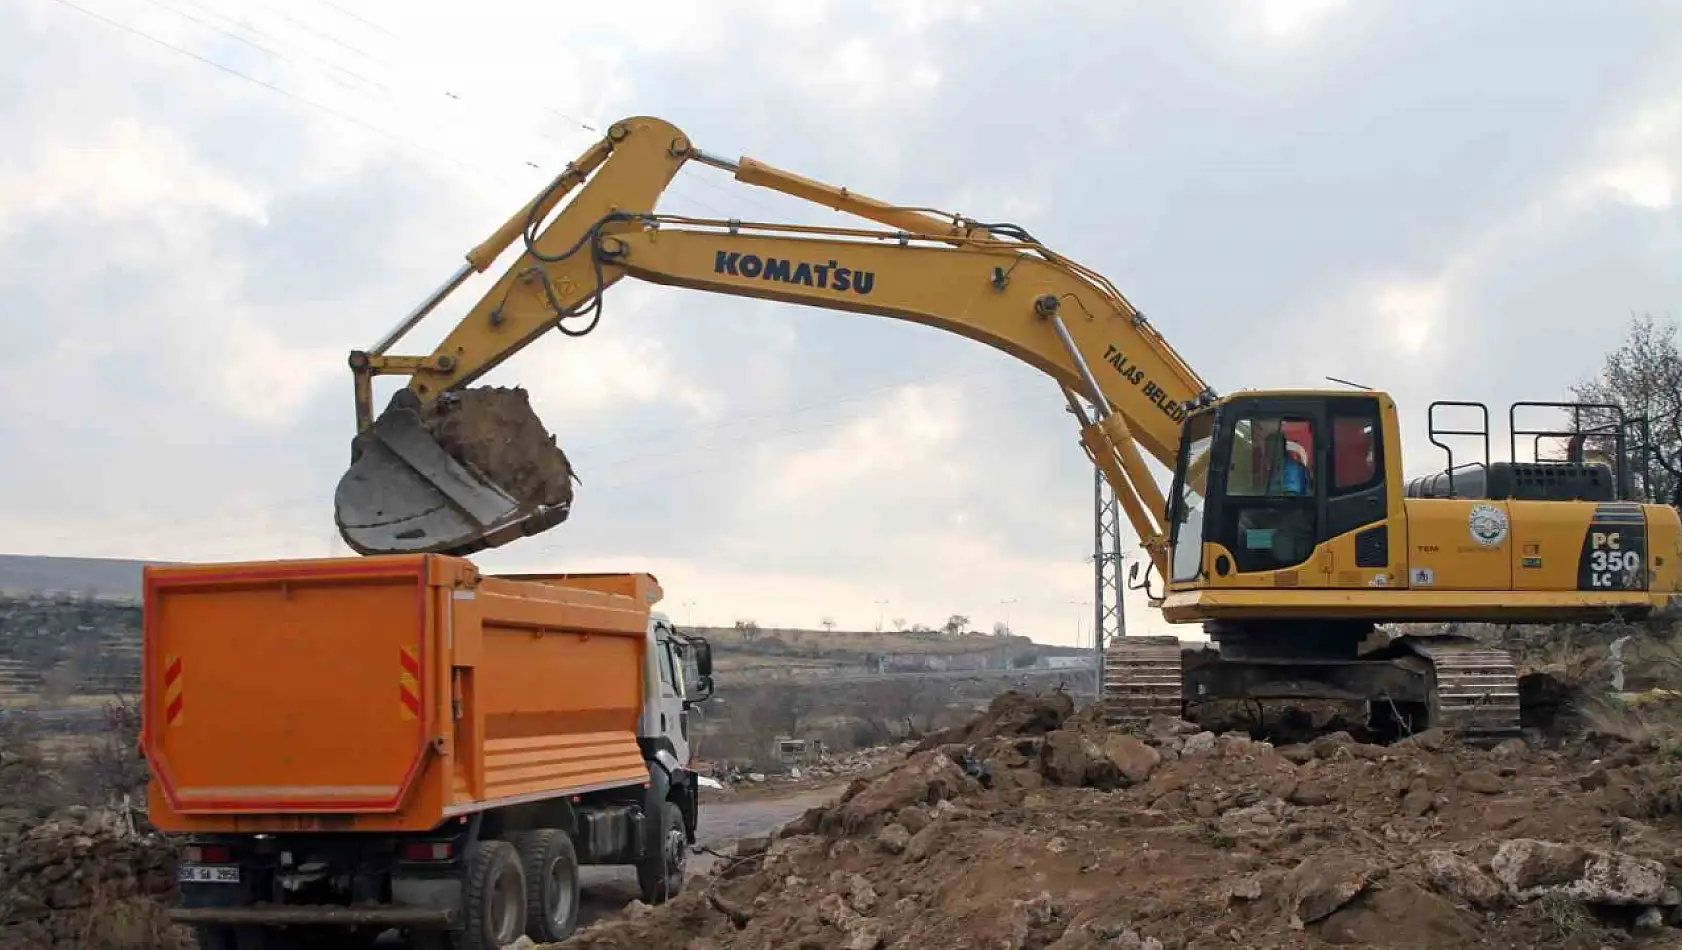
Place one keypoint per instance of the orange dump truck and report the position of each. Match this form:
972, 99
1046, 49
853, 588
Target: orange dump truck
347, 746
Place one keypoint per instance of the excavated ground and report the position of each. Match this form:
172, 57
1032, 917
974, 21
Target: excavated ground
1033, 829
495, 431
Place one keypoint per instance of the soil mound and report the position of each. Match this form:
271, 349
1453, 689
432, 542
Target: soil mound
495, 432
1034, 829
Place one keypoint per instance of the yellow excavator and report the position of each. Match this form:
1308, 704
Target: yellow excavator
1289, 531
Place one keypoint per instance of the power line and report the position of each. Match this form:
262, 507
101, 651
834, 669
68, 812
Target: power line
251, 43
345, 117
361, 19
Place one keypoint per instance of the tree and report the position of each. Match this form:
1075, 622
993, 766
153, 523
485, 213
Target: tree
899, 624
955, 625
748, 629
1643, 377
829, 624
1001, 629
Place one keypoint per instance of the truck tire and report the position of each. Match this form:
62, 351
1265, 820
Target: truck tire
551, 869
493, 899
661, 871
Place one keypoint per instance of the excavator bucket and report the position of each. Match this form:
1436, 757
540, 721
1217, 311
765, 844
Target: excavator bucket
473, 470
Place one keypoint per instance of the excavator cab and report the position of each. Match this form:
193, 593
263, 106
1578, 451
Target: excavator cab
1265, 480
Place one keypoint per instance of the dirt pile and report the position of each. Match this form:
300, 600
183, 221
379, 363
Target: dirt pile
1036, 829
494, 431
80, 878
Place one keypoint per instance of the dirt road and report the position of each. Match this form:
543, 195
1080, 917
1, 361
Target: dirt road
606, 890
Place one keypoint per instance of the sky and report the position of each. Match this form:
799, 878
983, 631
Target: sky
206, 204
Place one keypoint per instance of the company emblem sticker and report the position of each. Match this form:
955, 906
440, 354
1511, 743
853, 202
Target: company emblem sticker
1487, 524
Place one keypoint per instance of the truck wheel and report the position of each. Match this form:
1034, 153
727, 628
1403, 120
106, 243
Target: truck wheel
660, 873
551, 870
494, 898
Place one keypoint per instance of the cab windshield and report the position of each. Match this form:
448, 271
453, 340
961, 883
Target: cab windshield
1191, 479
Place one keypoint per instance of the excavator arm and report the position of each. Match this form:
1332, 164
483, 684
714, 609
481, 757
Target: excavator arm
992, 283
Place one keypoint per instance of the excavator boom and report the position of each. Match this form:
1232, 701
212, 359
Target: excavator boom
411, 488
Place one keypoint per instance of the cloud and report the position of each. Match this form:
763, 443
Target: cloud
1290, 19
1410, 195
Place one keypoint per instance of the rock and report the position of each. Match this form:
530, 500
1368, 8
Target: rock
1418, 799
1327, 747
1027, 917
1297, 754
1525, 865
1366, 750
1482, 781
1131, 757
924, 842
913, 818
1067, 757
1431, 740
860, 894
1250, 887
1461, 879
747, 847
833, 910
893, 838
924, 779
1529, 869
758, 778
1319, 885
1087, 935
1164, 727
868, 936
1260, 820
1198, 744
809, 823
1650, 921
1311, 794
1510, 749
637, 909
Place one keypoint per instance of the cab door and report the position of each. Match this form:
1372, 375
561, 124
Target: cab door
673, 718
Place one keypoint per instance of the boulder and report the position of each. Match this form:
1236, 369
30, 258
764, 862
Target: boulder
1131, 757
1321, 884
1068, 756
893, 838
1458, 877
1529, 869
1198, 744
1482, 781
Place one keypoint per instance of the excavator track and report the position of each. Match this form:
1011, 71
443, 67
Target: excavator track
1142, 679
1475, 687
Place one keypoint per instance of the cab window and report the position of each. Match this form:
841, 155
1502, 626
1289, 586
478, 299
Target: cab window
1272, 457
1354, 452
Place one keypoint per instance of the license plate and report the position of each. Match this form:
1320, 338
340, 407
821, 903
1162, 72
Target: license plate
208, 873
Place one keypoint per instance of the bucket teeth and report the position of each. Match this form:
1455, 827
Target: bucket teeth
1142, 679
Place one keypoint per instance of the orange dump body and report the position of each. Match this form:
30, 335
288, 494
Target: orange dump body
384, 693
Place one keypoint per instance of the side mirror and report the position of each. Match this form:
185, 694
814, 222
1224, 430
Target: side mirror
1133, 573
703, 656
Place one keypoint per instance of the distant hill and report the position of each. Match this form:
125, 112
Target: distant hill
105, 578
